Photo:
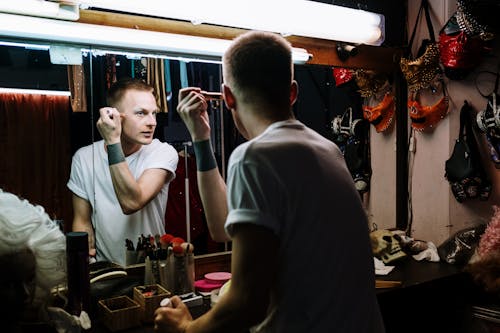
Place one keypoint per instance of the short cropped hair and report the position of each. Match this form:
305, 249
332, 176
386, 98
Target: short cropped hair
25, 226
258, 68
117, 90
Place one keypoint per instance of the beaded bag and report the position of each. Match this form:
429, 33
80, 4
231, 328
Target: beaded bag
369, 82
469, 23
379, 101
462, 42
424, 74
421, 71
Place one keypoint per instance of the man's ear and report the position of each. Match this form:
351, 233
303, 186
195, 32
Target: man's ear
228, 97
294, 92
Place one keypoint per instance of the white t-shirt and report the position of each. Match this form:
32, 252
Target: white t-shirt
90, 179
295, 182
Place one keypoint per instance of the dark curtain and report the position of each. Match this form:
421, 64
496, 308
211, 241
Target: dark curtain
35, 150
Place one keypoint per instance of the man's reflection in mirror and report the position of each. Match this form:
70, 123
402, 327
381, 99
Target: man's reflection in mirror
120, 183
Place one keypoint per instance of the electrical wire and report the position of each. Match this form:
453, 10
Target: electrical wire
412, 145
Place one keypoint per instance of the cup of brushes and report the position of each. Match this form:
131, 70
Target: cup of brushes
172, 266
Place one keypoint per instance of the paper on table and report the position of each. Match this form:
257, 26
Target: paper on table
381, 268
430, 254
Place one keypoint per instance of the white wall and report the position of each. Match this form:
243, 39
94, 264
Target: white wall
381, 200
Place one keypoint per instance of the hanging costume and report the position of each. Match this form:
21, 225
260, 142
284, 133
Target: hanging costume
488, 122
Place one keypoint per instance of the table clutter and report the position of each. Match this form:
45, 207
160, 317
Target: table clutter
168, 270
211, 281
169, 261
119, 313
149, 297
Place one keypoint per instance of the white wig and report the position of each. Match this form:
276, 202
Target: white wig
23, 225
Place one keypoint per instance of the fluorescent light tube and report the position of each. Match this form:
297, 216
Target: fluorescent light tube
142, 41
41, 8
288, 17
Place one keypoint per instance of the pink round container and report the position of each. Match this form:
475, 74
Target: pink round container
218, 277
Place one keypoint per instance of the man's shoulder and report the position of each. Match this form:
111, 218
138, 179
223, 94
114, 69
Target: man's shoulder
160, 152
88, 149
157, 145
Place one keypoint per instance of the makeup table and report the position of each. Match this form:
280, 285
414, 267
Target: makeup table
432, 297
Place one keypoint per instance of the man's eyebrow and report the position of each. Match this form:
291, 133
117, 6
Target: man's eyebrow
138, 109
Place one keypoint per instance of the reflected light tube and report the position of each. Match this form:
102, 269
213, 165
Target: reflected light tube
34, 91
288, 17
142, 41
29, 46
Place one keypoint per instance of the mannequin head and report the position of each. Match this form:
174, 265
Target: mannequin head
33, 251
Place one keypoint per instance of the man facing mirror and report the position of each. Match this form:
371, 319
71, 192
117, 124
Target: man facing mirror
301, 256
120, 184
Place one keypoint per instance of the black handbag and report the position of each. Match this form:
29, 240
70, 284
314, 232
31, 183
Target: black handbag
463, 169
460, 165
460, 247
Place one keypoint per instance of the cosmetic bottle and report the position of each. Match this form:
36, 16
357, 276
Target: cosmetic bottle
77, 250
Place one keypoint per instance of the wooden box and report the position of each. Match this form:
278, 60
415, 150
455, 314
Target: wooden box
119, 313
149, 297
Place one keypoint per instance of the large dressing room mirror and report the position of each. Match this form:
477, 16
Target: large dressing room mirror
39, 133
184, 215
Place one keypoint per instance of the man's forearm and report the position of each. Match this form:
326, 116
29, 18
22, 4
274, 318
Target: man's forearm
134, 194
85, 227
127, 189
212, 190
227, 316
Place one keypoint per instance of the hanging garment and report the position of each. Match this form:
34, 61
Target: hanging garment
77, 87
156, 78
351, 135
488, 122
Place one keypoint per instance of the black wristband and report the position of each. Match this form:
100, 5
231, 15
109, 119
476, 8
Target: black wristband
115, 154
205, 158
